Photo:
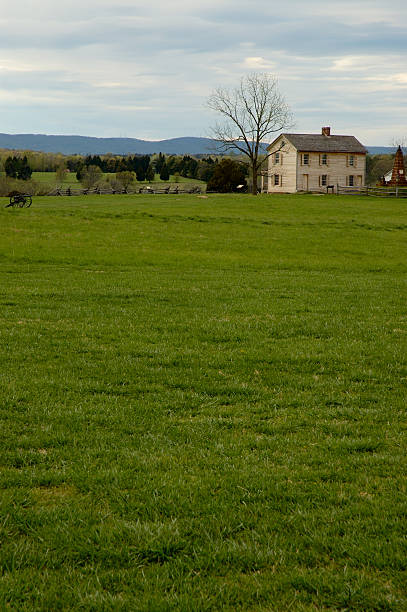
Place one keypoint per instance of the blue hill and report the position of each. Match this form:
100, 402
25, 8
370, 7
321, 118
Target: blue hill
118, 146
89, 145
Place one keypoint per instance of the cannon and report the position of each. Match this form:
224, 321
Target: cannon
20, 200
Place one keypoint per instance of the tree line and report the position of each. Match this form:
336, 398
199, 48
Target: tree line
145, 167
221, 174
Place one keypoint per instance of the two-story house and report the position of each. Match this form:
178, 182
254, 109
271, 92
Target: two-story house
313, 162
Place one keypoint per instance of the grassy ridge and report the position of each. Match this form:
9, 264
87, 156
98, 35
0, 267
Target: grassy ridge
203, 403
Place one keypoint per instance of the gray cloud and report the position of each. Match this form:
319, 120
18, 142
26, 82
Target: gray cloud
145, 70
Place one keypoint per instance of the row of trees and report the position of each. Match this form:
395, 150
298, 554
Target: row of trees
228, 175
138, 164
221, 175
189, 166
146, 167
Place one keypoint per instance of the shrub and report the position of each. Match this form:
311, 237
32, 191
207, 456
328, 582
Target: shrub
227, 175
8, 185
125, 178
91, 177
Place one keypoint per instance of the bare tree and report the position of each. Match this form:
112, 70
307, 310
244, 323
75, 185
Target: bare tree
400, 141
251, 113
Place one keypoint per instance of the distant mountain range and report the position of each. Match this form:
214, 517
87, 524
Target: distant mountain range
380, 150
89, 145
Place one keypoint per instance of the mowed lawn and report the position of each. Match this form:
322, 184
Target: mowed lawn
203, 403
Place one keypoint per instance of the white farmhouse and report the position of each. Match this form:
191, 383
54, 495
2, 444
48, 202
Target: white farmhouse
314, 162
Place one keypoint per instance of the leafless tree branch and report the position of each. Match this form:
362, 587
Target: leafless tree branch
399, 142
251, 113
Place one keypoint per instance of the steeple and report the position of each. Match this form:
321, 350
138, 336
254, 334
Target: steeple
398, 176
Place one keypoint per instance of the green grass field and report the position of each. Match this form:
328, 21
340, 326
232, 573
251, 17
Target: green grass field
70, 179
203, 404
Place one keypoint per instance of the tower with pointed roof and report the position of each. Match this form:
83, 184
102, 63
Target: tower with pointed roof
398, 176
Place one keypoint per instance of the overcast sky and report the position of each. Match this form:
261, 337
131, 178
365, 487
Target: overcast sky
145, 69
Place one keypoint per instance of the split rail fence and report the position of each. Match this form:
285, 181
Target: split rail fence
76, 192
382, 192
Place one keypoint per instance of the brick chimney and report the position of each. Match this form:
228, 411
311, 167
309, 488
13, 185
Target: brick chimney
326, 131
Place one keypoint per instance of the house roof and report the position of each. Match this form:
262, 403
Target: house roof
325, 144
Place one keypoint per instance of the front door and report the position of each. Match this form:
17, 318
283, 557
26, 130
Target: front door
305, 182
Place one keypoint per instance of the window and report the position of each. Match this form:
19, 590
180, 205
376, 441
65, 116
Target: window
351, 160
324, 159
305, 159
324, 180
351, 180
276, 179
277, 158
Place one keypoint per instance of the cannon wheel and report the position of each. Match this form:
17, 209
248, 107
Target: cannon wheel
14, 200
21, 201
